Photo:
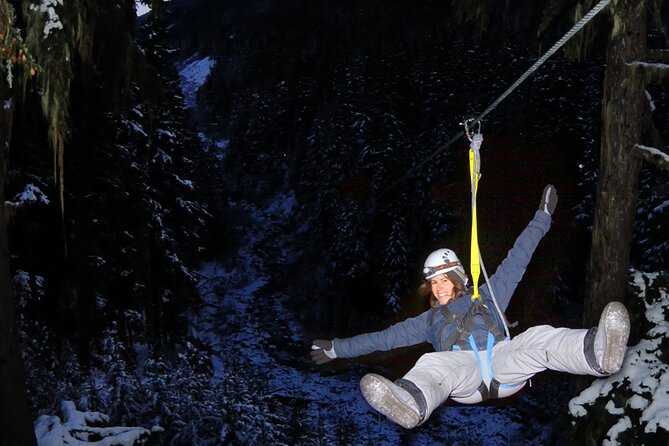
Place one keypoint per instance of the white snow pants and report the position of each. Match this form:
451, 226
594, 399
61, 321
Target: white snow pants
458, 374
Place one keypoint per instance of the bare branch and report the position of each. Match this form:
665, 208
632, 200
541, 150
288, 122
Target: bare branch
653, 155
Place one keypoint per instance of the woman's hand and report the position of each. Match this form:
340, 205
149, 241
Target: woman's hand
549, 200
322, 351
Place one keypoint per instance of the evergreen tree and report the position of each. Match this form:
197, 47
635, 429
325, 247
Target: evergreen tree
116, 246
15, 417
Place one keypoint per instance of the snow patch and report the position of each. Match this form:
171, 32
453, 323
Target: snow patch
187, 183
651, 65
220, 146
31, 194
653, 151
52, 21
613, 410
75, 430
141, 9
194, 72
657, 413
170, 136
662, 207
649, 98
162, 157
621, 426
135, 127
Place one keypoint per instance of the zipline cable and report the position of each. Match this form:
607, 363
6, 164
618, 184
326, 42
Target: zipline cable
576, 28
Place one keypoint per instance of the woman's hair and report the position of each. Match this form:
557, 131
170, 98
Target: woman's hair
425, 289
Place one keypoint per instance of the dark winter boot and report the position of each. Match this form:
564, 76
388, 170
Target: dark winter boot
391, 400
605, 345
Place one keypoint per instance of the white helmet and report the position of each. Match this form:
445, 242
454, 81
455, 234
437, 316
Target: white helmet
442, 261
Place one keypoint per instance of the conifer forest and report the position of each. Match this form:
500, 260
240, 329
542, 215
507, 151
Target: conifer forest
192, 191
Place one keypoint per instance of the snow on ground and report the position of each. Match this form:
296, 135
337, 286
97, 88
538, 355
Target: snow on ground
219, 146
193, 73
229, 325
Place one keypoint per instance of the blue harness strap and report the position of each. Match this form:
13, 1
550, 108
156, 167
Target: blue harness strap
490, 391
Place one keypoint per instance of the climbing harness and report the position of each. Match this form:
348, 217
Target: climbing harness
464, 322
489, 388
574, 29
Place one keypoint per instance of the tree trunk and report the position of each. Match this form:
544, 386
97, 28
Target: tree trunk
16, 424
622, 110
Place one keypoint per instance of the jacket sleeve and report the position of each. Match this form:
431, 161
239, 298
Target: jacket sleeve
511, 271
411, 331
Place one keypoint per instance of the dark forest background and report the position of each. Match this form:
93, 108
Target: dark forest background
331, 100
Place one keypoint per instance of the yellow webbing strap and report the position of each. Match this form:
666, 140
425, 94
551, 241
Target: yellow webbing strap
474, 175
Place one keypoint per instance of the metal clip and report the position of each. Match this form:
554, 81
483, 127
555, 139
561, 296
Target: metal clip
467, 124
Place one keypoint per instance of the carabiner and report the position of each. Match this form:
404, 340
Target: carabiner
467, 123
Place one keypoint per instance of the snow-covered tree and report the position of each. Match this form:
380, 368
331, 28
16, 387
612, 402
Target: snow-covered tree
629, 408
85, 428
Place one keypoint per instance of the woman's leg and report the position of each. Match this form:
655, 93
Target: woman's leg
409, 401
442, 374
540, 348
598, 351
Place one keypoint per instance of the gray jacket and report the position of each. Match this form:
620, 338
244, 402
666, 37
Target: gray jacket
433, 326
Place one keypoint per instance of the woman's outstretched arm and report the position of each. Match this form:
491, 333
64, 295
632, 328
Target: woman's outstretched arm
411, 331
511, 270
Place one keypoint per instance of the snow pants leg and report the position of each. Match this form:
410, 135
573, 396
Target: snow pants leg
438, 376
443, 374
540, 348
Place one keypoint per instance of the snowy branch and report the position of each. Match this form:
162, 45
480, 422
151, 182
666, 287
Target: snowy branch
74, 430
651, 71
656, 137
658, 55
653, 155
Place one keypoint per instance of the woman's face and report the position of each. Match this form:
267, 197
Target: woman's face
442, 288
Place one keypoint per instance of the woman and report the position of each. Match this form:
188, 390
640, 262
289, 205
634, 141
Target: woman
473, 360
